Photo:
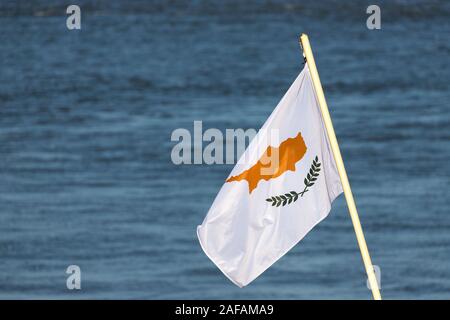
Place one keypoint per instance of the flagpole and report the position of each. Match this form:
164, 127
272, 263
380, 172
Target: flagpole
304, 42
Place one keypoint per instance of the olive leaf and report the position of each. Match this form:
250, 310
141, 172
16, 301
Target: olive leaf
292, 196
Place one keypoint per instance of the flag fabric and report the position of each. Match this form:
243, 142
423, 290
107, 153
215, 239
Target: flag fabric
282, 186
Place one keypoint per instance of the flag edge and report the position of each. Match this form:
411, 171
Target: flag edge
214, 261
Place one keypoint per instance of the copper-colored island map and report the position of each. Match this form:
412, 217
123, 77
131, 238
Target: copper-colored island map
290, 152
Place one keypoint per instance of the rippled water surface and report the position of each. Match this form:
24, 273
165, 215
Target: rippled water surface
85, 124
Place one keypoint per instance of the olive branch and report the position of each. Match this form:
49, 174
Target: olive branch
292, 196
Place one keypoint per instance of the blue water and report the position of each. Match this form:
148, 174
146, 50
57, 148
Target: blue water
85, 124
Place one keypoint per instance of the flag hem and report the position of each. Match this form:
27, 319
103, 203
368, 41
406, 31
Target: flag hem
214, 261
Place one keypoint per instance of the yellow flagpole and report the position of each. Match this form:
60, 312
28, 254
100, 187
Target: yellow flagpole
304, 41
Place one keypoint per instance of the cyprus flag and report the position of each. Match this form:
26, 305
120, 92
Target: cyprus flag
282, 186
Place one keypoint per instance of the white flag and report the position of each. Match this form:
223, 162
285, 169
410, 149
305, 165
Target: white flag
282, 186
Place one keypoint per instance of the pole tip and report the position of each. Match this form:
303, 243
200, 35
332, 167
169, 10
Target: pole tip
303, 38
